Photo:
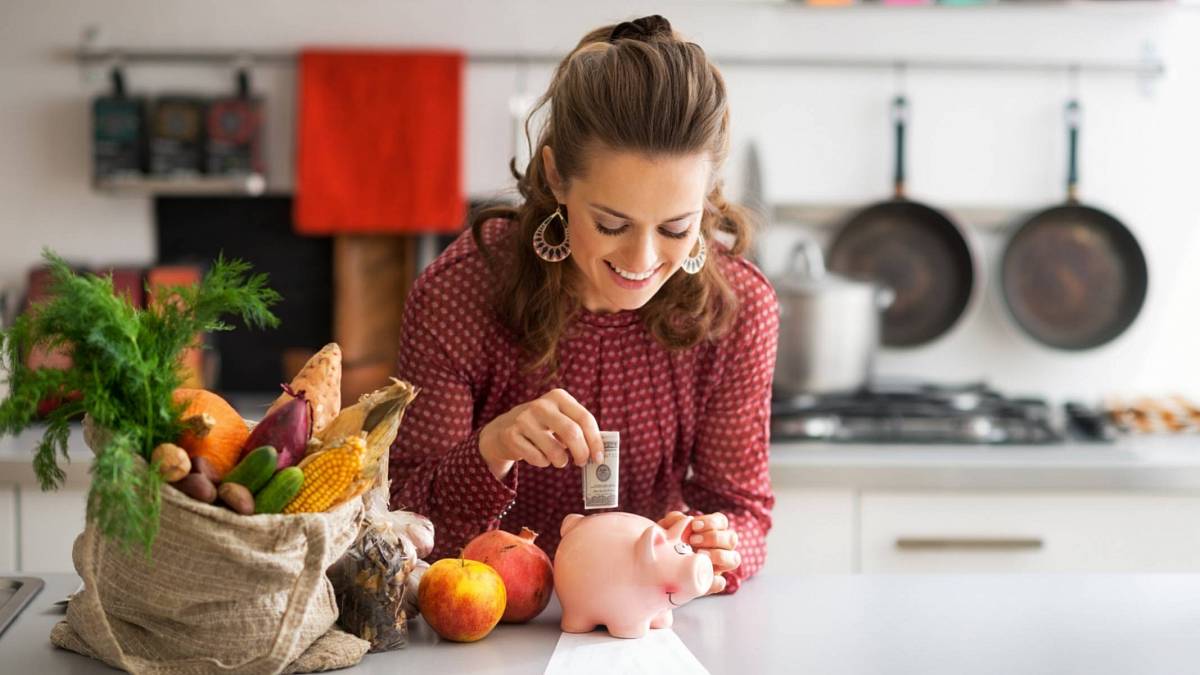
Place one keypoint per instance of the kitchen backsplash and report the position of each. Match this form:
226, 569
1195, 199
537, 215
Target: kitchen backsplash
990, 138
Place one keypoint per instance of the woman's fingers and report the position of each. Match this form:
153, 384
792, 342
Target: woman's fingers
711, 521
670, 519
723, 539
591, 445
535, 430
553, 430
567, 432
522, 449
722, 560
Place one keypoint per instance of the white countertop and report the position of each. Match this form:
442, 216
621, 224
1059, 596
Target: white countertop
1132, 463
833, 625
1155, 463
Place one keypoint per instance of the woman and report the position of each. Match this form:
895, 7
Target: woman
603, 302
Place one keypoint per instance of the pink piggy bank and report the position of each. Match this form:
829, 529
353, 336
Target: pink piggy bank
625, 572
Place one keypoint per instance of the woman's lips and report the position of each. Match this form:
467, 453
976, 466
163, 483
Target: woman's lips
629, 283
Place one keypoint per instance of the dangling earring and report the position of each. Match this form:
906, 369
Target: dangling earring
693, 263
546, 251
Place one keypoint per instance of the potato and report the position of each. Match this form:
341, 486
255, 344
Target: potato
201, 465
237, 497
198, 487
172, 460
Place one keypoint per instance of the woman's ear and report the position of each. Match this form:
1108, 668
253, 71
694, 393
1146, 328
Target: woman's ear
551, 171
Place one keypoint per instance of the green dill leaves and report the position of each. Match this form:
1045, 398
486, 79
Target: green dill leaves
126, 363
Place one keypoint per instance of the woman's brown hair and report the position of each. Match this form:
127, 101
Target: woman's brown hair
635, 87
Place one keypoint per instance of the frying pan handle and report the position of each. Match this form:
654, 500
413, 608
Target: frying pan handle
899, 119
1072, 117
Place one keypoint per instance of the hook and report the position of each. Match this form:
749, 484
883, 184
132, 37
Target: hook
900, 77
242, 64
1073, 81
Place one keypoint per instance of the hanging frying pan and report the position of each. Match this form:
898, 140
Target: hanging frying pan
1073, 276
913, 249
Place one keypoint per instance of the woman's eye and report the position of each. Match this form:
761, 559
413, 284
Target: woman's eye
610, 228
676, 231
682, 548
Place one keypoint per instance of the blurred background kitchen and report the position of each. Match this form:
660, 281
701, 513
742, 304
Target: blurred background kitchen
973, 385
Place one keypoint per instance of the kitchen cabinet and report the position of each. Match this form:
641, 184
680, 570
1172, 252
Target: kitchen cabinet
887, 531
1029, 532
48, 525
813, 531
8, 528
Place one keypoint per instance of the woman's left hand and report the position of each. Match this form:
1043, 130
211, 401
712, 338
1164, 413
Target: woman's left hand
710, 534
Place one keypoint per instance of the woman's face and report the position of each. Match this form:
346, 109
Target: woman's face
633, 221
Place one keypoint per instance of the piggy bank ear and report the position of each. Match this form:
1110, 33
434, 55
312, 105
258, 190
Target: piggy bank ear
569, 523
678, 530
649, 542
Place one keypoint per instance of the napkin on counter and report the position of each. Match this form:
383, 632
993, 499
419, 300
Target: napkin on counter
660, 652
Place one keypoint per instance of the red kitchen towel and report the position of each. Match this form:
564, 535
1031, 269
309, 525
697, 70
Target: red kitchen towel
378, 142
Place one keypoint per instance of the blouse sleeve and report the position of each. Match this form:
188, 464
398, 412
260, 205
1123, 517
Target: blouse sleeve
730, 458
435, 466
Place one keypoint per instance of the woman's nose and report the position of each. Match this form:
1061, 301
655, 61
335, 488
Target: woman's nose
644, 256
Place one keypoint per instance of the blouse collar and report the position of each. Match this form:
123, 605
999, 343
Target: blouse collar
624, 317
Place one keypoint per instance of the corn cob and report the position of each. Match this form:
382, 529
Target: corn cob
380, 429
327, 475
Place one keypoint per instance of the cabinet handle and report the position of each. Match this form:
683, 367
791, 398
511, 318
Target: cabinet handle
968, 543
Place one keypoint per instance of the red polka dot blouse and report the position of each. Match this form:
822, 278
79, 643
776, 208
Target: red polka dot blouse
693, 423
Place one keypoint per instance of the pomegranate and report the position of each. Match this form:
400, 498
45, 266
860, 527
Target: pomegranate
526, 569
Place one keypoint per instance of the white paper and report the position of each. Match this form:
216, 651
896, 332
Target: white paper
660, 652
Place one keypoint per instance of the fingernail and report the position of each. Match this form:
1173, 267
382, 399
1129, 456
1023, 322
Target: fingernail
696, 539
698, 525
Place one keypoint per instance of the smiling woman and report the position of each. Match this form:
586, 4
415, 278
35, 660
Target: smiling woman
606, 300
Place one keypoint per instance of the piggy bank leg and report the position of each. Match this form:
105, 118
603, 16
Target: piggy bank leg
574, 623
629, 630
664, 619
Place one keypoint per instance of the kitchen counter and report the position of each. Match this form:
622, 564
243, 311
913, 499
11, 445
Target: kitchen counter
1151, 463
928, 624
1132, 463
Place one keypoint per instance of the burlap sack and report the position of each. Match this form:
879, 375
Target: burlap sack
220, 592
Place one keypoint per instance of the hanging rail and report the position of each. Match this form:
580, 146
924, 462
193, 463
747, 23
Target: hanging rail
1148, 67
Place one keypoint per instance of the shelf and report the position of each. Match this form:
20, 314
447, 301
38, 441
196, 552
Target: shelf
251, 184
830, 215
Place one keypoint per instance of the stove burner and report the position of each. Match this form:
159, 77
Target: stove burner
899, 412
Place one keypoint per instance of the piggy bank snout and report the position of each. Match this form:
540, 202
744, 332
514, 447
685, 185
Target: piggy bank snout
702, 574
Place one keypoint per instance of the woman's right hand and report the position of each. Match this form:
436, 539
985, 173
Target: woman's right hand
551, 430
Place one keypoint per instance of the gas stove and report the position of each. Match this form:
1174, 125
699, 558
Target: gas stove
911, 412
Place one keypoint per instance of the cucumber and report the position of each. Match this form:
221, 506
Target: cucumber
278, 493
255, 469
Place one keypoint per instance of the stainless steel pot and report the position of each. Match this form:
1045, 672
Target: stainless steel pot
829, 327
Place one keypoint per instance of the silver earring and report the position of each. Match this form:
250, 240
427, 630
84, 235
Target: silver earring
693, 263
552, 252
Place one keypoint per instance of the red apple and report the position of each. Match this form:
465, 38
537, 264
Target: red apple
462, 600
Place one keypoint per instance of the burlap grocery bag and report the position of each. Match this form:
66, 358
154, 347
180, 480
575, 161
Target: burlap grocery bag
219, 592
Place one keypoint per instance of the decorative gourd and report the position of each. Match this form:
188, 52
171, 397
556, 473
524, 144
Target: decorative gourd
212, 429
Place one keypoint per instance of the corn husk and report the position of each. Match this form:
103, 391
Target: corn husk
376, 418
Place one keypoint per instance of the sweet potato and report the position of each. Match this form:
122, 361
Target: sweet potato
321, 380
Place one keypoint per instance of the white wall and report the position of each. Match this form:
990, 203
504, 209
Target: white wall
990, 138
